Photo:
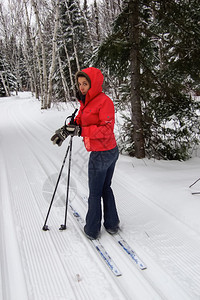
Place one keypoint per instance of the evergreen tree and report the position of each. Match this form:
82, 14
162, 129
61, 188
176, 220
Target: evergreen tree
168, 73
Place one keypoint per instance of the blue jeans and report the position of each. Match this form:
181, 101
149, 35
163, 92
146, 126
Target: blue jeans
100, 169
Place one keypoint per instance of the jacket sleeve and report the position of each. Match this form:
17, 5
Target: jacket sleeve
106, 122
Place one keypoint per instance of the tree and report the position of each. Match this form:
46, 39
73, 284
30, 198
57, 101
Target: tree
168, 77
31, 57
8, 46
136, 112
74, 41
53, 60
168, 110
120, 53
44, 60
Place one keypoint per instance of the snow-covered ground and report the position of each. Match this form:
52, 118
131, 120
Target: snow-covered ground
160, 218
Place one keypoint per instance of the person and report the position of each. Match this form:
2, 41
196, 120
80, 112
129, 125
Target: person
95, 123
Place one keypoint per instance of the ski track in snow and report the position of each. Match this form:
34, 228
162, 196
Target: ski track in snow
58, 265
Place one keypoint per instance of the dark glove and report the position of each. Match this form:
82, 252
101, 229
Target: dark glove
60, 135
73, 130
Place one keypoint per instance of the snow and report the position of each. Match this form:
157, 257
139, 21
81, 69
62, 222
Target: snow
158, 212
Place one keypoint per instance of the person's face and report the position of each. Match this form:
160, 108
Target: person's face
83, 85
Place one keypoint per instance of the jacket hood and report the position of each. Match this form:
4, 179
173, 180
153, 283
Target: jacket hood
96, 81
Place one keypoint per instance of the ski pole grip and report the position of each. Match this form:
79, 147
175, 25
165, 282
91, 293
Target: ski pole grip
72, 117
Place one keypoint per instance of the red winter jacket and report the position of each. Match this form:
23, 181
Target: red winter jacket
97, 116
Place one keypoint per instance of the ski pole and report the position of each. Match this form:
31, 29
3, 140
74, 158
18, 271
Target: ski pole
63, 226
194, 183
45, 227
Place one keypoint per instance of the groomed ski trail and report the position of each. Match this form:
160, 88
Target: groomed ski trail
62, 265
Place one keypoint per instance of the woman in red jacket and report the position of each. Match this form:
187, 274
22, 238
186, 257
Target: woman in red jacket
96, 118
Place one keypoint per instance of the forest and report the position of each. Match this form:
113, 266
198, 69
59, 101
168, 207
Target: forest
147, 50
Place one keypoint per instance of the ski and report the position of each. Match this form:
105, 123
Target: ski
97, 245
125, 246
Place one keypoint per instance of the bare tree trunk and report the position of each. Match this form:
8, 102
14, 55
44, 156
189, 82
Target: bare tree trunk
53, 61
138, 136
31, 67
119, 3
19, 81
97, 20
5, 31
84, 13
36, 50
74, 45
28, 67
70, 71
4, 85
44, 64
64, 83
